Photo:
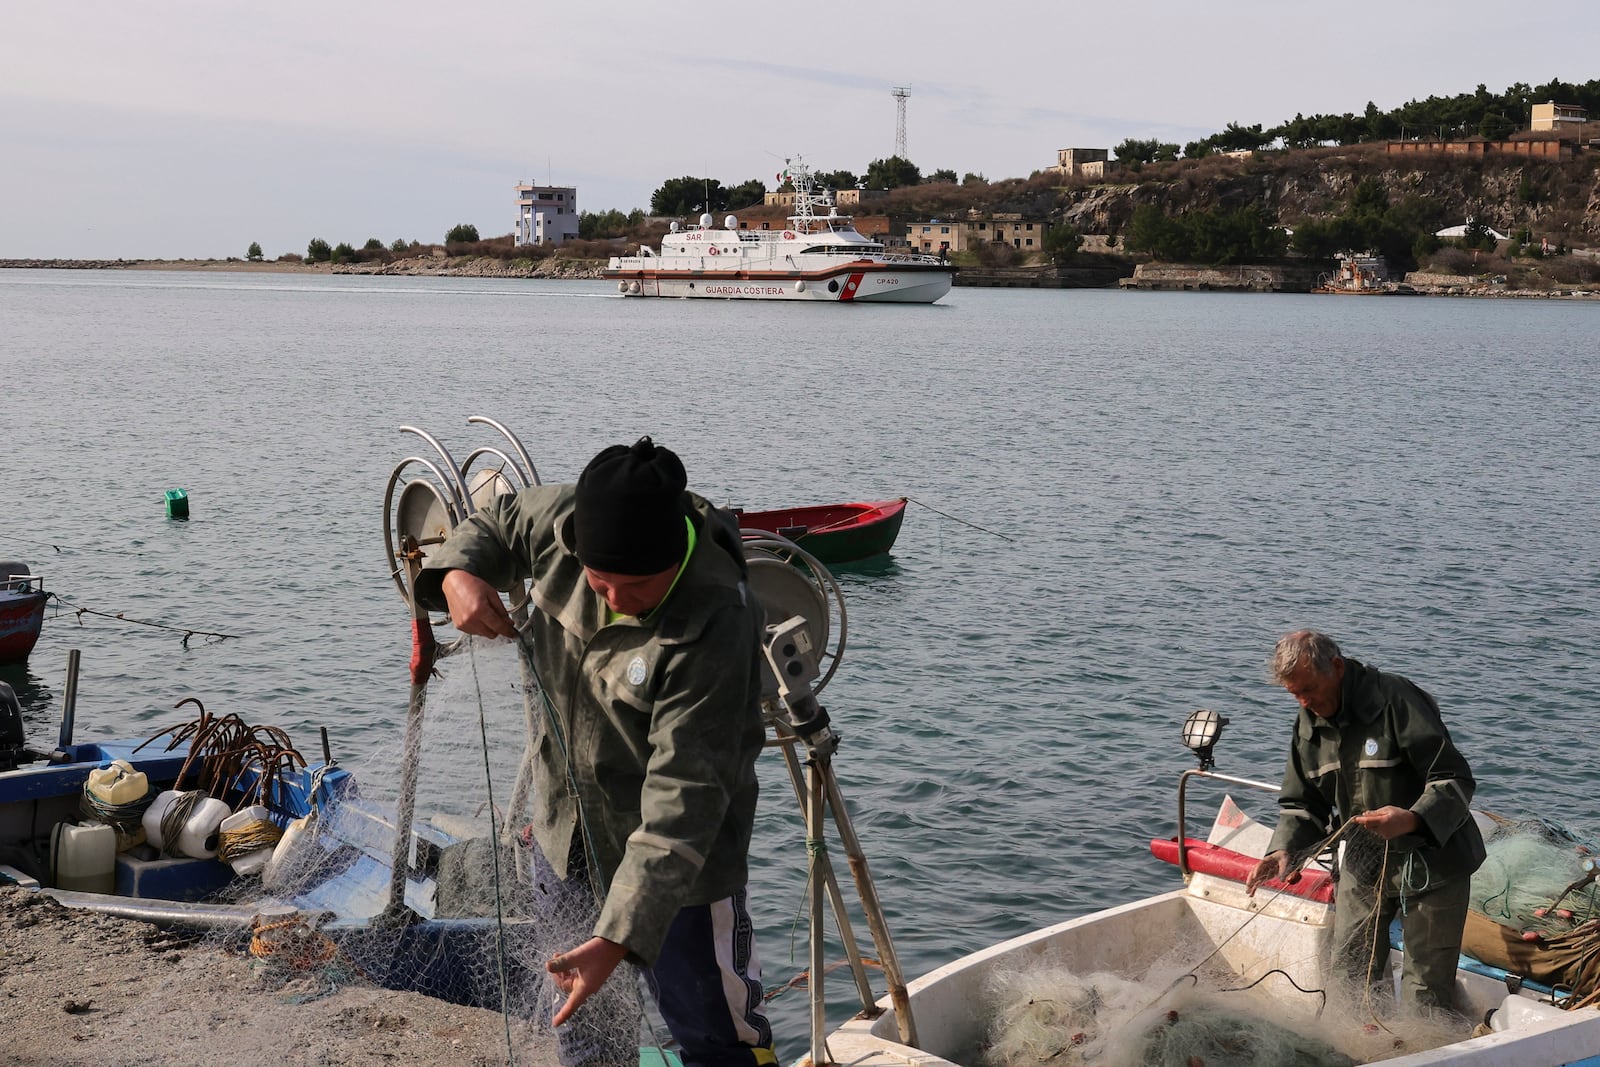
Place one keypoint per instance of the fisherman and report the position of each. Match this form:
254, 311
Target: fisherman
1370, 748
647, 642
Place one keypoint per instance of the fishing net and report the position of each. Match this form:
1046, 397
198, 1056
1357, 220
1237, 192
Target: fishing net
1047, 1013
1536, 908
1228, 991
494, 914
1538, 876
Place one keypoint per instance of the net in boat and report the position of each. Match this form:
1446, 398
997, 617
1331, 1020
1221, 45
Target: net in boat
1535, 908
1052, 1015
1242, 993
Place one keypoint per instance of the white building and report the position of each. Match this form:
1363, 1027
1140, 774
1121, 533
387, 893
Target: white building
1461, 231
546, 214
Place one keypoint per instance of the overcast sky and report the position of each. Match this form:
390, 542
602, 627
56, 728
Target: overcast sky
189, 128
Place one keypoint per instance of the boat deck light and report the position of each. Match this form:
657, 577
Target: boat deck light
1201, 730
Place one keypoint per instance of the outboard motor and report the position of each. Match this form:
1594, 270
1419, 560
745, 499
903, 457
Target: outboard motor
13, 743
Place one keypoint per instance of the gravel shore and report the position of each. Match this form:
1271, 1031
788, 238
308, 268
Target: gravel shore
80, 989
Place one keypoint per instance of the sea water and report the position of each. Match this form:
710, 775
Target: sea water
1119, 501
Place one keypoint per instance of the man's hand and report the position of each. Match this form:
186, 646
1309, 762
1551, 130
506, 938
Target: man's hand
1274, 865
1390, 822
475, 606
580, 972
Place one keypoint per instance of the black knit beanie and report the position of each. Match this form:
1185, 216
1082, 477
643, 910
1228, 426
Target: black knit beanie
629, 514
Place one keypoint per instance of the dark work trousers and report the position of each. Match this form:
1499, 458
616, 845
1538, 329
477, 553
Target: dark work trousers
1431, 921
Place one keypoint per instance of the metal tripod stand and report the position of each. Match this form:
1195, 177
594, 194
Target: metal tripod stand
797, 719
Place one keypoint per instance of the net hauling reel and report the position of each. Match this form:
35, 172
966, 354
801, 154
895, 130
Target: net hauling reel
433, 496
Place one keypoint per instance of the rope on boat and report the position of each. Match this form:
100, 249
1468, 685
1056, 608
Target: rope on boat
803, 979
119, 616
1288, 876
252, 837
125, 819
963, 522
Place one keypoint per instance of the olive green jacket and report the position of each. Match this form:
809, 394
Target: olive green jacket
1387, 745
654, 724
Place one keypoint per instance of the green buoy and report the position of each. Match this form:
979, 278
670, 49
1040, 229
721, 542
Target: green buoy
177, 503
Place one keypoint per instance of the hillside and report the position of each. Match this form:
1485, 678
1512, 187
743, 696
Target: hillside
1558, 200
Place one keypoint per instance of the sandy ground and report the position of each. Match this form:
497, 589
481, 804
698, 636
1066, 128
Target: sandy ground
78, 989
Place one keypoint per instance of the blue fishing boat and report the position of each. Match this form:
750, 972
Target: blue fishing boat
208, 828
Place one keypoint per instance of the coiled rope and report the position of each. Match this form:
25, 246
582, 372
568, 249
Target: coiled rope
291, 942
125, 819
251, 837
176, 817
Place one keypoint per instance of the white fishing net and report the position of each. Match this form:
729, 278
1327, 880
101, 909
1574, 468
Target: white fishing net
1048, 1013
495, 915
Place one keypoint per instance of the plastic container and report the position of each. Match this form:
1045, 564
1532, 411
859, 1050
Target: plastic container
83, 858
197, 838
255, 818
153, 816
118, 783
177, 503
1517, 1013
284, 868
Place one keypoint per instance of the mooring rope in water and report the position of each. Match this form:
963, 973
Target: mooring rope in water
963, 522
26, 541
120, 617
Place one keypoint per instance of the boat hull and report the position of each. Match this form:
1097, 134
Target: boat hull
871, 283
835, 533
947, 1004
21, 619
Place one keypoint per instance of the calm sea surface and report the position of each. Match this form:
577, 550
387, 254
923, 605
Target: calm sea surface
1120, 501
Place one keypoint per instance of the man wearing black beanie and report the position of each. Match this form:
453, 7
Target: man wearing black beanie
647, 642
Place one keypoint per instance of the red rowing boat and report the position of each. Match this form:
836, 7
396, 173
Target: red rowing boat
833, 533
22, 601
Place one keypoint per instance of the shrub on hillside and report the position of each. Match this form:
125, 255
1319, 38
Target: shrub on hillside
1572, 270
997, 254
1455, 260
600, 248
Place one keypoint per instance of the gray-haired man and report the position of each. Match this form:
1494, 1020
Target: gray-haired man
1370, 747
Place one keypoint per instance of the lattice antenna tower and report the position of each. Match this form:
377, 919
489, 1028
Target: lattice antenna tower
901, 94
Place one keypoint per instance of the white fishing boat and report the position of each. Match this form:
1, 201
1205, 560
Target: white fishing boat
1118, 986
820, 256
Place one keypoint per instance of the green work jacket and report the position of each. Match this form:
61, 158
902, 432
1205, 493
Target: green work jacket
1387, 745
650, 747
